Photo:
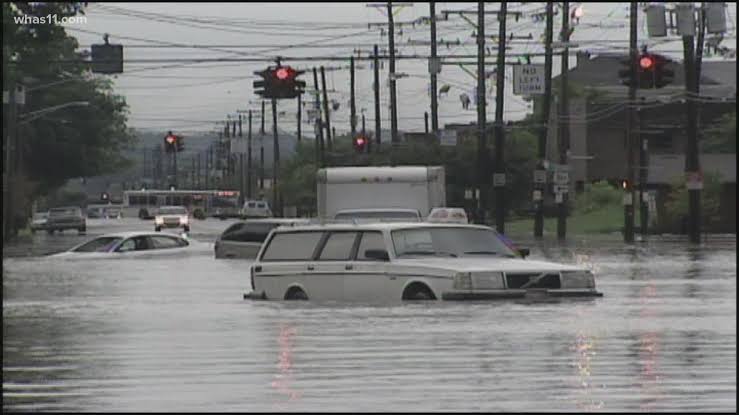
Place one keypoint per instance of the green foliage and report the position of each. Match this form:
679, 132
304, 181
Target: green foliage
198, 214
677, 205
721, 137
598, 196
70, 142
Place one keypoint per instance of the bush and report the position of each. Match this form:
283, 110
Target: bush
198, 214
597, 196
676, 207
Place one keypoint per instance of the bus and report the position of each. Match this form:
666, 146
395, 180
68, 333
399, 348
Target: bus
215, 203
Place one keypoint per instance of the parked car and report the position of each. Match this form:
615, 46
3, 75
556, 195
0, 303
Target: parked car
405, 261
380, 214
38, 222
128, 244
255, 209
447, 215
104, 211
243, 239
63, 218
172, 217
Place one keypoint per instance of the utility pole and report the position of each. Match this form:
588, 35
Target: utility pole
319, 123
426, 122
434, 101
630, 124
192, 174
207, 166
540, 184
564, 112
325, 109
643, 154
8, 206
300, 101
378, 132
692, 163
248, 160
499, 130
353, 107
241, 163
261, 131
393, 92
482, 149
276, 160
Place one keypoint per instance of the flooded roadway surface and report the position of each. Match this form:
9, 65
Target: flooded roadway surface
174, 334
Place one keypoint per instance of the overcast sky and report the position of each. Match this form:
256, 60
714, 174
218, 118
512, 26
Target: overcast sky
191, 97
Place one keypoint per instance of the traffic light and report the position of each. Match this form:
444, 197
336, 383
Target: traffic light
170, 142
651, 71
360, 144
279, 82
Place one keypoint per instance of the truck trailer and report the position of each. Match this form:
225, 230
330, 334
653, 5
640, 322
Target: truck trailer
402, 187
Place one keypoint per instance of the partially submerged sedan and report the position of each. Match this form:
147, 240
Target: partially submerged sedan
128, 244
404, 261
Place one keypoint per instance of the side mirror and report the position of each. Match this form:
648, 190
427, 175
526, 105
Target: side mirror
524, 252
377, 254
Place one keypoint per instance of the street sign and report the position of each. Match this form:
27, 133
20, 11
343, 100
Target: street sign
540, 176
694, 180
448, 137
561, 188
561, 177
528, 79
499, 179
537, 195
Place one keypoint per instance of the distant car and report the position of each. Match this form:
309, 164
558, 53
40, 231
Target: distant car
128, 244
172, 217
38, 222
447, 215
63, 218
255, 209
242, 240
380, 215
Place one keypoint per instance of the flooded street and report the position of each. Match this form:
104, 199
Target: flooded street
174, 334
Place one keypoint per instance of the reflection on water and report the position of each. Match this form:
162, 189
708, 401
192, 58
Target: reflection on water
174, 334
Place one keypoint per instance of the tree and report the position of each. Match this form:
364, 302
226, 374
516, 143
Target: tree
721, 138
677, 209
70, 142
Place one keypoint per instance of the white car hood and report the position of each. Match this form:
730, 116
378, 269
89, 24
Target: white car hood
488, 263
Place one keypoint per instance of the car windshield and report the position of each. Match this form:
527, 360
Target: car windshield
384, 214
102, 244
172, 211
449, 241
63, 211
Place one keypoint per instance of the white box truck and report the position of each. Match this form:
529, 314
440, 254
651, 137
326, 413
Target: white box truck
399, 187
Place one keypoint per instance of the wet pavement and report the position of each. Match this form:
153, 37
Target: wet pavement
174, 334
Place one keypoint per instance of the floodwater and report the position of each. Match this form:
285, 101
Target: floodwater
175, 334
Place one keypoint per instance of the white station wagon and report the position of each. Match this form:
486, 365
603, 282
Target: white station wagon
404, 261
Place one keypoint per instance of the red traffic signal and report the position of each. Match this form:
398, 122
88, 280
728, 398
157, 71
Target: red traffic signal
282, 73
646, 62
173, 143
360, 143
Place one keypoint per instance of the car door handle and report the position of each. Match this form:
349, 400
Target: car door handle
348, 267
257, 268
310, 268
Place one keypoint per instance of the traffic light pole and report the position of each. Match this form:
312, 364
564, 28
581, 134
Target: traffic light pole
500, 189
540, 186
434, 101
629, 196
564, 120
482, 149
319, 122
393, 91
692, 163
353, 107
276, 200
8, 217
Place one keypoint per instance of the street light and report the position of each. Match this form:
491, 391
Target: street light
30, 116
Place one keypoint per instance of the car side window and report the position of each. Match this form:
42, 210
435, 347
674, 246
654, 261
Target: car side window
127, 245
254, 232
165, 242
370, 240
338, 246
292, 246
230, 232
